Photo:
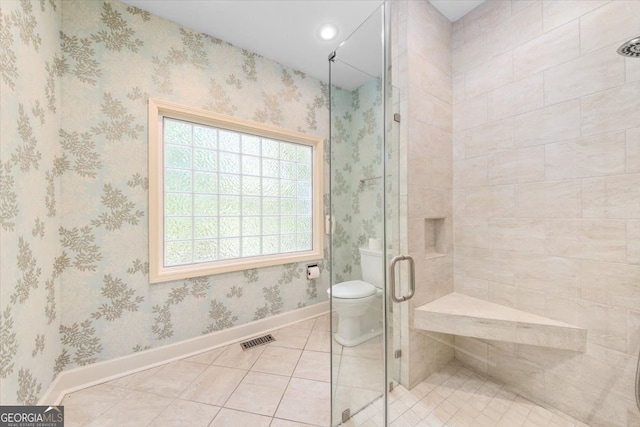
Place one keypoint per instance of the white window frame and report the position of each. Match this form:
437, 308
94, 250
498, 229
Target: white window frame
159, 109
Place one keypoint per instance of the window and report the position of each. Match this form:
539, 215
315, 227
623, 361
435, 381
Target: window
227, 194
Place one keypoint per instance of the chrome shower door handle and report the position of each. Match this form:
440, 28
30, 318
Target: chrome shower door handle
392, 278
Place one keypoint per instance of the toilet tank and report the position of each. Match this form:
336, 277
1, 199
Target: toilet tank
372, 266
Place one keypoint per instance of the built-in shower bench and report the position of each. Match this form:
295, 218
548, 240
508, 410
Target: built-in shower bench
460, 314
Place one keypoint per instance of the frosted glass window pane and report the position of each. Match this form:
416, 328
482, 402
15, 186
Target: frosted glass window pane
288, 170
229, 226
178, 228
205, 182
270, 245
304, 223
176, 156
287, 151
250, 246
229, 163
177, 204
304, 242
176, 253
229, 248
251, 185
304, 172
229, 205
271, 225
251, 206
205, 227
177, 132
229, 141
287, 188
177, 180
270, 148
251, 165
205, 250
288, 206
251, 225
251, 145
205, 137
270, 206
270, 168
288, 224
304, 206
288, 243
304, 154
204, 204
205, 160
304, 189
270, 187
229, 184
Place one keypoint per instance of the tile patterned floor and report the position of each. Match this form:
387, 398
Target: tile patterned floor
287, 384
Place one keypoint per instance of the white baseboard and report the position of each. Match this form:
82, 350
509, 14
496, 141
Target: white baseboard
97, 373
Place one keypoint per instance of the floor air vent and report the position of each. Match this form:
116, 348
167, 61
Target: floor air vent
266, 339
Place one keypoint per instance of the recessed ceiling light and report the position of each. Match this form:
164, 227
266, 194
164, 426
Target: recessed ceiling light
328, 32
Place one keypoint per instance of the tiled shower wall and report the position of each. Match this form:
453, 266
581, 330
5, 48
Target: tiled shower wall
422, 61
29, 199
546, 193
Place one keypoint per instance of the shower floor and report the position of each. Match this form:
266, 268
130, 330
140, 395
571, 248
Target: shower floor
287, 384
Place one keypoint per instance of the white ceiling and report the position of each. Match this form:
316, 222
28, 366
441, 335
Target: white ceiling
286, 31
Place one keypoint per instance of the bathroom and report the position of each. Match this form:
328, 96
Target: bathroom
512, 178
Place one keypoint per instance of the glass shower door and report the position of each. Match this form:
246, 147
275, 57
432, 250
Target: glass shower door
362, 214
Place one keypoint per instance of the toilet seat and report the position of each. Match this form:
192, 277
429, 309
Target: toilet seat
353, 289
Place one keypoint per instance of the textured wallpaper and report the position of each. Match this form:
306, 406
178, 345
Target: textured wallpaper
30, 163
76, 77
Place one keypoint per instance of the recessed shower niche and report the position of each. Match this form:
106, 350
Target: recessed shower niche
434, 237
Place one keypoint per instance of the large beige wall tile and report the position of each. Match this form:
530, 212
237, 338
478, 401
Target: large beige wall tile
633, 150
471, 232
515, 98
547, 50
632, 69
611, 110
586, 157
516, 30
518, 235
470, 172
485, 18
427, 140
633, 242
526, 375
430, 78
470, 54
429, 109
495, 73
590, 73
602, 240
477, 288
503, 294
549, 124
472, 352
607, 325
489, 138
553, 199
490, 265
556, 13
428, 202
611, 197
488, 202
551, 274
614, 22
633, 338
516, 166
610, 283
470, 113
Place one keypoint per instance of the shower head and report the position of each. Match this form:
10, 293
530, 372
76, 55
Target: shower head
630, 48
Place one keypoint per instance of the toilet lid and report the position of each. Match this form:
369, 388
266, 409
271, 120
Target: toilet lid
352, 289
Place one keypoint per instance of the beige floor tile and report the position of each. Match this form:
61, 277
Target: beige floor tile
231, 418
306, 401
277, 360
138, 409
258, 393
214, 385
172, 379
130, 381
313, 366
319, 341
286, 423
183, 413
371, 349
207, 357
234, 356
84, 405
361, 372
291, 337
306, 324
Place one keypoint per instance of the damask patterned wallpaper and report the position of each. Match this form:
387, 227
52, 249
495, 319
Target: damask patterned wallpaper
74, 186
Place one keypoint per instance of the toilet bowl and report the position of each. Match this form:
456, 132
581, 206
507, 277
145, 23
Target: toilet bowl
358, 303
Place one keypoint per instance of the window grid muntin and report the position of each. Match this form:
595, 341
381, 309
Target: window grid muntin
263, 149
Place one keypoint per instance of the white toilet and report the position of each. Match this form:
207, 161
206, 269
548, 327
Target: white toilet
358, 303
